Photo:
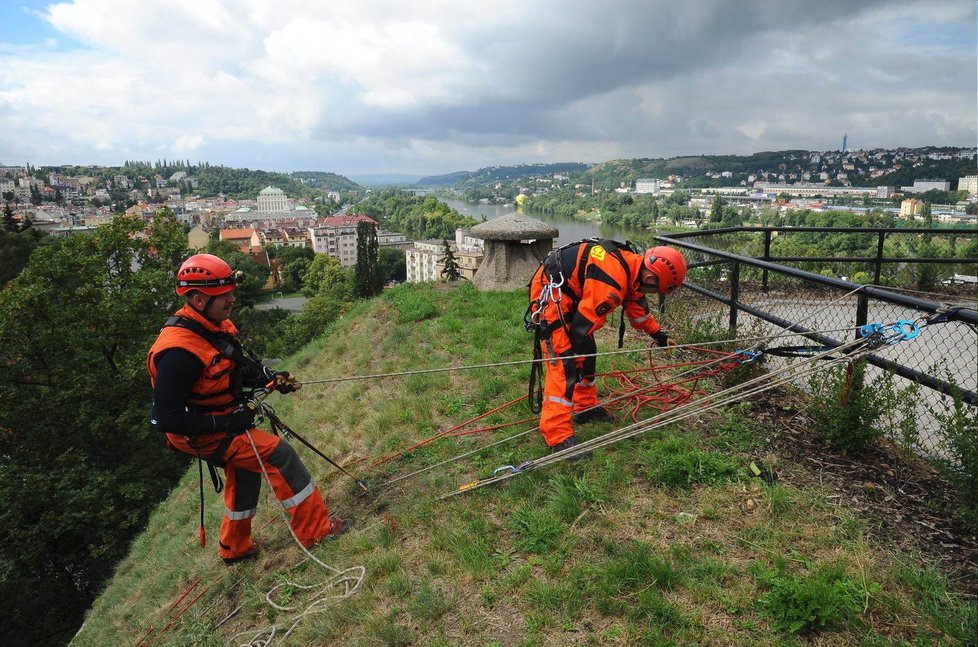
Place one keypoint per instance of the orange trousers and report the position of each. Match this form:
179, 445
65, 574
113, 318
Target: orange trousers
291, 482
568, 387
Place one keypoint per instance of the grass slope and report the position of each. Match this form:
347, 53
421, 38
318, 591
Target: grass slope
663, 540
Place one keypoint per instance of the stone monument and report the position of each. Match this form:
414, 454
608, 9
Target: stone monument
515, 246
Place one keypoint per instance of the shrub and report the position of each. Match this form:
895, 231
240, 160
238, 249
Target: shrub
849, 413
960, 424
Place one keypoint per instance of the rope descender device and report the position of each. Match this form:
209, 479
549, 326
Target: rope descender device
878, 334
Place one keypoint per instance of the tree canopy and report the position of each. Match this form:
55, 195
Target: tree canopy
80, 468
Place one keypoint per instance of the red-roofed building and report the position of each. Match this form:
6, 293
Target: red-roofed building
247, 240
337, 236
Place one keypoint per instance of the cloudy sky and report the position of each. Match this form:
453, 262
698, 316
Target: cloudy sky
433, 86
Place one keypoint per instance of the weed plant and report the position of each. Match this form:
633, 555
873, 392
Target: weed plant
850, 413
824, 600
677, 462
959, 422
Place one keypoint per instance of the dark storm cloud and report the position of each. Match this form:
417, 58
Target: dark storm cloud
540, 70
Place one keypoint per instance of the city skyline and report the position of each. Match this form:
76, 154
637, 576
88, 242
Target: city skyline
438, 87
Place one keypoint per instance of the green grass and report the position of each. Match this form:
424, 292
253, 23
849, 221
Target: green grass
651, 542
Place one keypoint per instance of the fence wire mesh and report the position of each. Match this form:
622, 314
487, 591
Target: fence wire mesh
946, 352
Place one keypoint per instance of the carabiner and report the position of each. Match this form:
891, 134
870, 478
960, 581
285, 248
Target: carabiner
742, 356
870, 329
504, 468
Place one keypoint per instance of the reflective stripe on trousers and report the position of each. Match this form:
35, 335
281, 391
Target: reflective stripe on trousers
291, 482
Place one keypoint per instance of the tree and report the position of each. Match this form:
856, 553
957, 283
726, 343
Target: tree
326, 276
9, 224
392, 265
81, 468
716, 210
451, 271
367, 280
294, 263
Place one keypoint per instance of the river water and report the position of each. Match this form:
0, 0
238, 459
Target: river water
571, 229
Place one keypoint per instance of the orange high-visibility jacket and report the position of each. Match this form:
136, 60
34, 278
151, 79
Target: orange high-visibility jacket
212, 392
598, 278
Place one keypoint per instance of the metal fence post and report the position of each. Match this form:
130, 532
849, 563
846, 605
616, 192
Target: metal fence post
767, 256
879, 259
862, 313
734, 296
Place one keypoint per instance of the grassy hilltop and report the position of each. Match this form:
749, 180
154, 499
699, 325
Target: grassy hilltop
663, 539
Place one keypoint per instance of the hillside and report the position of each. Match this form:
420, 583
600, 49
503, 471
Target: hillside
491, 174
663, 539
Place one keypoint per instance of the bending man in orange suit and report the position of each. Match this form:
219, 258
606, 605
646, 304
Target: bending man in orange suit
199, 372
571, 296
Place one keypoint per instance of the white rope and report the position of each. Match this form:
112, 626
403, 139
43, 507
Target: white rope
719, 399
739, 340
349, 579
645, 349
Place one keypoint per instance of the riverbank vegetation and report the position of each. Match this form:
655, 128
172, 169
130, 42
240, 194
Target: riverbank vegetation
419, 217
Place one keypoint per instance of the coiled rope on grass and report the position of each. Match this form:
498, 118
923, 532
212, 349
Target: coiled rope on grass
348, 581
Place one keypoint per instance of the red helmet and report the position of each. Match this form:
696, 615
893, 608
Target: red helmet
667, 264
206, 273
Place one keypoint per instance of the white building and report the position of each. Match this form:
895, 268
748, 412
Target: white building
968, 183
424, 259
337, 237
921, 186
271, 199
647, 185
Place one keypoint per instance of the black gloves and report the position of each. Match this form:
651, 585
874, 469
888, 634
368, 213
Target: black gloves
285, 382
662, 339
238, 421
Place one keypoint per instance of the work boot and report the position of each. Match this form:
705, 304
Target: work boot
597, 414
337, 527
568, 443
251, 554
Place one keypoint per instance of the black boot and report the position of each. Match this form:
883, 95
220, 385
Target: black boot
597, 414
568, 443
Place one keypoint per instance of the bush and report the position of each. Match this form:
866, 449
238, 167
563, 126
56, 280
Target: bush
850, 414
960, 424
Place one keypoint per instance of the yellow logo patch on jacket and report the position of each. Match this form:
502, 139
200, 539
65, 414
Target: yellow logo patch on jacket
597, 253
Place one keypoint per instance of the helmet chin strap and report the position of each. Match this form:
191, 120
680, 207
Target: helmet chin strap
203, 312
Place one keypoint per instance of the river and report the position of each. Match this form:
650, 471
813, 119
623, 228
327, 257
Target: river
571, 229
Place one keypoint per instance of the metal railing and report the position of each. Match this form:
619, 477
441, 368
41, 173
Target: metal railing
742, 269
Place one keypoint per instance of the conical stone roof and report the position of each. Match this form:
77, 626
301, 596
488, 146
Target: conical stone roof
514, 226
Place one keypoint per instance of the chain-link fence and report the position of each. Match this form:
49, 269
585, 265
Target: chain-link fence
820, 282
